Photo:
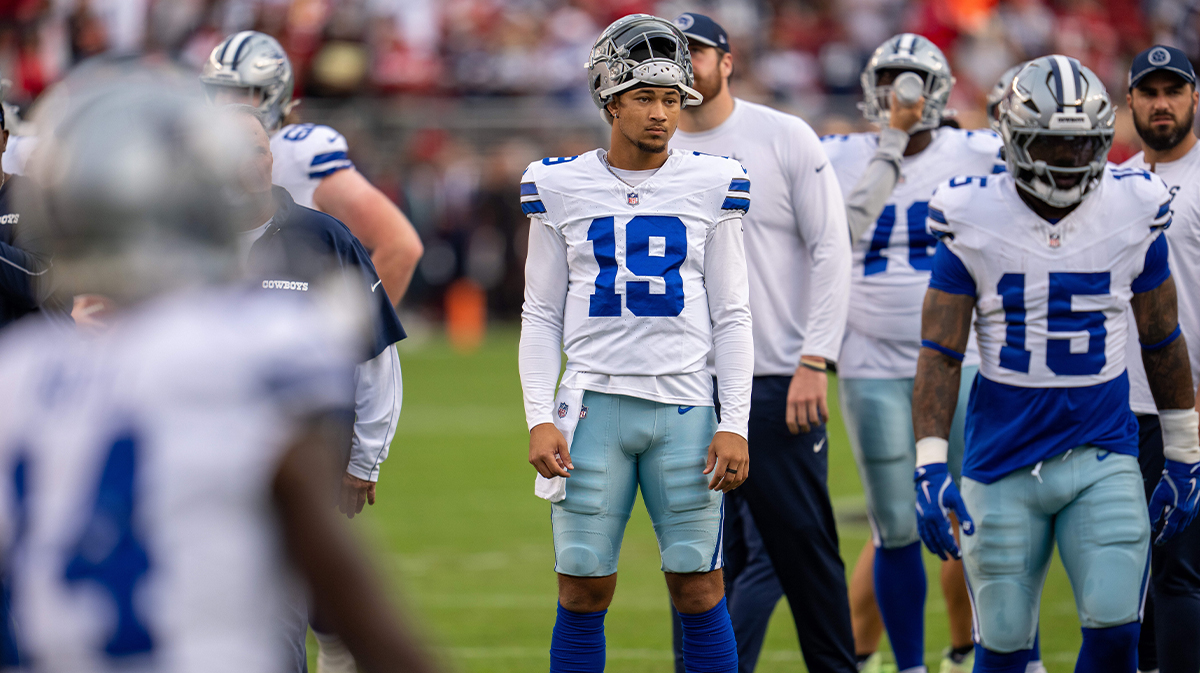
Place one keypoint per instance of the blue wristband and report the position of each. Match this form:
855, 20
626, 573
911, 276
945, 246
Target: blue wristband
926, 343
1164, 343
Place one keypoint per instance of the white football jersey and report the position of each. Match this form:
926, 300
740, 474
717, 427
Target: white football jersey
636, 303
1050, 311
306, 154
893, 258
136, 469
1183, 179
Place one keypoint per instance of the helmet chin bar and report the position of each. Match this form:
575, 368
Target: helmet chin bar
1043, 187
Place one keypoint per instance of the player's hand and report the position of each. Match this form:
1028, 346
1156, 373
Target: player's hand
1173, 504
904, 117
728, 461
355, 493
807, 406
548, 452
91, 312
936, 496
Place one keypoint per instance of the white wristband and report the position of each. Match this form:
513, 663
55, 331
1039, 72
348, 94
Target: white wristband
1181, 435
932, 450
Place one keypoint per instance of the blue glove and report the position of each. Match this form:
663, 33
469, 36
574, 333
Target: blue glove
1174, 502
936, 496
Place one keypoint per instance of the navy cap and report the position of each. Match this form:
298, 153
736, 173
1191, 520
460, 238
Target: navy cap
1161, 57
702, 29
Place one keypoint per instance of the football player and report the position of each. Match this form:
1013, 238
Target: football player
636, 270
163, 478
1162, 97
888, 178
1049, 257
310, 159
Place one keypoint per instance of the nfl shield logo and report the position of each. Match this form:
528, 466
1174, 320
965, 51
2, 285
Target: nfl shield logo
562, 410
632, 197
1054, 240
583, 412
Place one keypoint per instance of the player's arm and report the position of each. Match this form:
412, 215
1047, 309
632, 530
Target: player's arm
866, 201
1173, 504
339, 577
727, 286
945, 329
540, 350
372, 217
821, 221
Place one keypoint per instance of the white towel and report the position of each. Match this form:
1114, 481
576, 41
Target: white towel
568, 406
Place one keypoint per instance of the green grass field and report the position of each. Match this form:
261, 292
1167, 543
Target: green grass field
460, 537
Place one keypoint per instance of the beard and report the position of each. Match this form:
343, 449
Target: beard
1165, 140
709, 87
651, 146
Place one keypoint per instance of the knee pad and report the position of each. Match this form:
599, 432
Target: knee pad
687, 558
583, 554
1006, 616
895, 524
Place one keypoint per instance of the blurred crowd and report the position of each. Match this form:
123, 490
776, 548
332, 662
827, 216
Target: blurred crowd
452, 164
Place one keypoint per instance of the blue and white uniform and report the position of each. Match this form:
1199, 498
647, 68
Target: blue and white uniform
892, 262
637, 279
136, 516
306, 154
1051, 441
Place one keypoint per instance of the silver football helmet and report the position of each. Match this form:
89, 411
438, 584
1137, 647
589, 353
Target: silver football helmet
1057, 125
131, 184
993, 98
257, 63
914, 53
640, 49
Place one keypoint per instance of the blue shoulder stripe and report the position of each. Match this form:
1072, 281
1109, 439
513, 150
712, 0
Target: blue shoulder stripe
327, 157
739, 185
937, 216
528, 189
999, 168
531, 207
316, 175
732, 203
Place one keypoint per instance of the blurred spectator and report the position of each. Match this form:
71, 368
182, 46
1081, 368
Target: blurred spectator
449, 94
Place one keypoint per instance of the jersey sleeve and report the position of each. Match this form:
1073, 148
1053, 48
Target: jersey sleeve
531, 201
1155, 269
319, 151
737, 195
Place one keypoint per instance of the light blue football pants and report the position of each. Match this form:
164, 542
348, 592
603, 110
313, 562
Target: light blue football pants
623, 443
1090, 502
878, 416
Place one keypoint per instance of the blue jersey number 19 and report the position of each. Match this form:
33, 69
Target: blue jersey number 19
655, 246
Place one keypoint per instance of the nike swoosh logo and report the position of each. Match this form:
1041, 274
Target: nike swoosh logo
333, 139
684, 410
376, 285
822, 166
819, 446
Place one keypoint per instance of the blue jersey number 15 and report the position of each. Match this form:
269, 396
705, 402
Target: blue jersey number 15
655, 245
1059, 318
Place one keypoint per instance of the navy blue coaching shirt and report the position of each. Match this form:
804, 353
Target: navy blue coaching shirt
22, 270
304, 246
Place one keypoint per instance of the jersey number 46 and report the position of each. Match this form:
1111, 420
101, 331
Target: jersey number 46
655, 245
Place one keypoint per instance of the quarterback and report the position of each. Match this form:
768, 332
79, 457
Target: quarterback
1050, 256
636, 269
888, 179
